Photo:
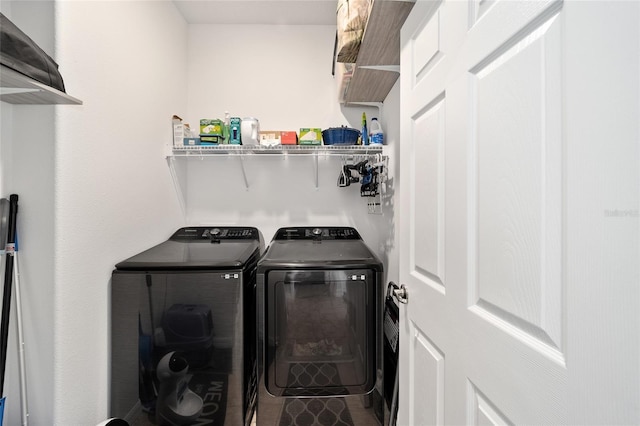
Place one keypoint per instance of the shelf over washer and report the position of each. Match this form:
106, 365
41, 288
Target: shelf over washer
275, 150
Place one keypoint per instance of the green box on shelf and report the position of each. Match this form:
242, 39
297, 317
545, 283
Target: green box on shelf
211, 127
210, 140
310, 136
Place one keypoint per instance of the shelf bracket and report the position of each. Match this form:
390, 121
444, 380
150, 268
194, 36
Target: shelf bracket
315, 162
240, 151
378, 105
176, 185
390, 68
244, 172
14, 90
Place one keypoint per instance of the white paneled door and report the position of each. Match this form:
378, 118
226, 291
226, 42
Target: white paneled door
519, 213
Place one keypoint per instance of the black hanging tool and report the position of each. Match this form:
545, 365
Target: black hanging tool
8, 284
346, 177
369, 182
391, 350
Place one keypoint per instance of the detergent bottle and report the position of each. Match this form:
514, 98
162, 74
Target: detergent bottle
377, 136
226, 131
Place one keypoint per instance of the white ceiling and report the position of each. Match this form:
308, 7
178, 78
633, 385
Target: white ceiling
275, 12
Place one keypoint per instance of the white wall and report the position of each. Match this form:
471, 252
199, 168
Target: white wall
113, 192
27, 169
281, 75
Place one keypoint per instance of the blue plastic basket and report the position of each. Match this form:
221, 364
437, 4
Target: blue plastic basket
340, 136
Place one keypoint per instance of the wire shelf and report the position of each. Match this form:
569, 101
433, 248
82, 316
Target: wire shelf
275, 150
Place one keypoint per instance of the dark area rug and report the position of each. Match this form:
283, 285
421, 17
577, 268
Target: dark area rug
309, 411
331, 411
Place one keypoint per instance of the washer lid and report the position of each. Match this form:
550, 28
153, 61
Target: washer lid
198, 248
331, 247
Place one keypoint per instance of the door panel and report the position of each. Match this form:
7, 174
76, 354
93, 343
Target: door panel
426, 50
516, 188
424, 193
427, 385
491, 227
428, 217
482, 411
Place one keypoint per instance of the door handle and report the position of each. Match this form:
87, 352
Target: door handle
400, 293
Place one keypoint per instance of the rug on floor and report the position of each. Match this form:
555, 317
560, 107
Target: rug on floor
309, 411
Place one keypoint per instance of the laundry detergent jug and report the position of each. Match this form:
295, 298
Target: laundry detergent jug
377, 136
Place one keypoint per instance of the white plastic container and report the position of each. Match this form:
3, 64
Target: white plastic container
250, 131
377, 136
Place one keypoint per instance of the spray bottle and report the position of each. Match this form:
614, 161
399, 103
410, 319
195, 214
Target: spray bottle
227, 127
365, 132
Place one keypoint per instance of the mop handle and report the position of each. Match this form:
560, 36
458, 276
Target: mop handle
21, 351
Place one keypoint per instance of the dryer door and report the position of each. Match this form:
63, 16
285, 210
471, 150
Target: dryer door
321, 328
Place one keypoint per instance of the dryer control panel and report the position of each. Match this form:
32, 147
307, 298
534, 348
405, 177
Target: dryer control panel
317, 233
216, 232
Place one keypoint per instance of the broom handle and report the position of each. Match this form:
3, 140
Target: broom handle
21, 351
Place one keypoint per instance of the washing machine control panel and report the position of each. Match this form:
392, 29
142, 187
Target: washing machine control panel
217, 232
317, 233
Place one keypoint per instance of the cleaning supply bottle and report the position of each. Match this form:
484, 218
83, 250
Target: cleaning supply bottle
226, 132
377, 136
365, 132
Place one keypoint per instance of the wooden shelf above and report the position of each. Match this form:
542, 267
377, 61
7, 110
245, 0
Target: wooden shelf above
377, 66
16, 88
